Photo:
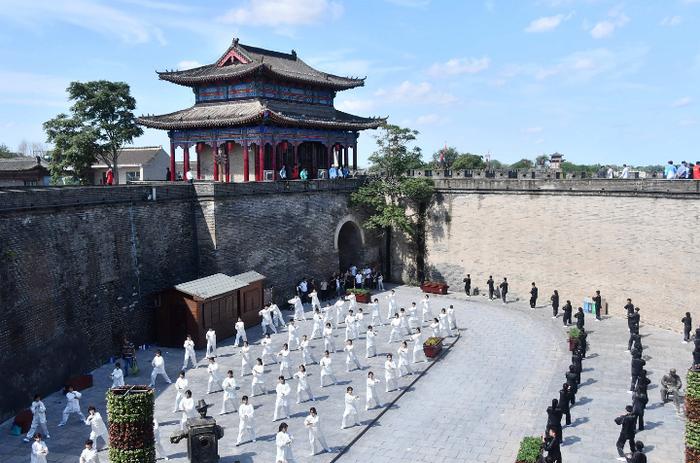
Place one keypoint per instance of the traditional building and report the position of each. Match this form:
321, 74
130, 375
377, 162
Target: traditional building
257, 112
135, 163
24, 171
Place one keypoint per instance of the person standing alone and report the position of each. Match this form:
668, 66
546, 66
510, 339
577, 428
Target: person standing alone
533, 295
597, 304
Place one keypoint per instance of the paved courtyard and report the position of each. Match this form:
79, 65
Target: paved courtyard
474, 405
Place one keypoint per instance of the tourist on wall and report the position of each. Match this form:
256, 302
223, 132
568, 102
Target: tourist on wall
625, 171
167, 174
304, 174
380, 282
687, 327
682, 172
504, 289
670, 171
323, 289
533, 295
283, 172
555, 303
110, 176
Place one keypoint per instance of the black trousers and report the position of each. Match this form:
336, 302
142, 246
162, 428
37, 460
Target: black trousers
490, 293
567, 414
640, 422
621, 444
467, 289
567, 318
629, 343
504, 296
597, 313
533, 301
686, 334
555, 310
633, 384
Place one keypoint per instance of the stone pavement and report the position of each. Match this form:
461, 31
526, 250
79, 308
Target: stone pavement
474, 405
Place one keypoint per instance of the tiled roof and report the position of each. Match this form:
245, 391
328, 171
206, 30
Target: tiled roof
136, 156
211, 286
242, 112
249, 277
21, 163
281, 65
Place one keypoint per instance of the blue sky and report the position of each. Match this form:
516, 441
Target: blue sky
600, 81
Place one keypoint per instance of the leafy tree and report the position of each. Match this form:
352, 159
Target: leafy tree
522, 164
102, 122
5, 152
450, 155
395, 201
496, 164
469, 161
569, 167
541, 160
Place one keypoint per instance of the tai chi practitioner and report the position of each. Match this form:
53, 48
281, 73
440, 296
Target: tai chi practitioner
298, 308
89, 453
376, 317
391, 307
451, 318
187, 409
327, 368
267, 323
427, 313
359, 322
316, 437
352, 300
372, 395
350, 325
240, 332
246, 424
350, 414
158, 364
211, 342
190, 355
38, 419
370, 348
214, 376
303, 384
293, 338
72, 406
328, 338
395, 334
160, 451
283, 442
435, 326
39, 450
282, 400
350, 356
413, 317
315, 303
97, 426
318, 324
418, 354
229, 398
266, 355
258, 378
443, 323
283, 356
403, 319
277, 317
245, 359
328, 315
307, 358
117, 376
380, 282
390, 373
404, 364
339, 310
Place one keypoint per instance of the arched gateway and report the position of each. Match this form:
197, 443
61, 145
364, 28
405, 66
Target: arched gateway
349, 241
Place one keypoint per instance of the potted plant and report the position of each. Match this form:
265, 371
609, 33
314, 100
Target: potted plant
432, 347
530, 450
433, 287
130, 411
574, 334
692, 414
361, 295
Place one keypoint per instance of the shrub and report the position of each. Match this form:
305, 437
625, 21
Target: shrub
130, 411
432, 341
574, 333
358, 291
530, 450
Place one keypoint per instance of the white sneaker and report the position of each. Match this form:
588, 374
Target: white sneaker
26, 439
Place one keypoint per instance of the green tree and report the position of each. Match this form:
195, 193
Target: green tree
541, 160
5, 152
450, 155
469, 161
395, 201
101, 123
569, 167
522, 164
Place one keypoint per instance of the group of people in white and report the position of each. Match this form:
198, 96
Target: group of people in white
406, 327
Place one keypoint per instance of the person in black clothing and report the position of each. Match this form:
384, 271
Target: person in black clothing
564, 402
639, 404
598, 304
468, 285
576, 362
567, 312
551, 444
634, 319
642, 382
636, 340
573, 385
629, 307
687, 327
489, 283
504, 288
696, 351
533, 295
579, 318
582, 345
638, 456
554, 414
628, 421
636, 368
555, 303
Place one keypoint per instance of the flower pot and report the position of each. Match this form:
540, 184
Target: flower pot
432, 351
573, 342
363, 298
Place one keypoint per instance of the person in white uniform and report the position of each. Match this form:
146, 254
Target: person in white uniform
307, 357
282, 400
435, 326
404, 364
352, 300
427, 313
339, 311
350, 414
187, 409
315, 303
403, 318
359, 322
418, 354
413, 317
89, 453
211, 342
327, 368
452, 318
160, 451
267, 324
230, 397
303, 384
158, 364
72, 406
372, 394
266, 354
443, 324
117, 375
283, 357
246, 424
391, 307
316, 438
214, 376
328, 338
38, 419
283, 442
277, 315
245, 359
350, 356
350, 325
258, 378
380, 282
298, 308
395, 334
375, 314
293, 338
390, 373
190, 355
370, 349
240, 332
181, 385
328, 317
39, 449
318, 324
97, 426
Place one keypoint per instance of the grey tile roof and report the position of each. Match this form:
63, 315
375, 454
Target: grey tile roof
211, 286
249, 277
21, 163
138, 155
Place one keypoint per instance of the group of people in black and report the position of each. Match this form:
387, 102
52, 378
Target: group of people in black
495, 292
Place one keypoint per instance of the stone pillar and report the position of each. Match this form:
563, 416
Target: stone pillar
172, 162
214, 156
246, 166
198, 149
185, 160
229, 149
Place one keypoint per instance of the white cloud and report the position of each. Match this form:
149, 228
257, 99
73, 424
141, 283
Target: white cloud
30, 89
159, 5
547, 23
410, 3
671, 21
188, 64
616, 19
355, 105
283, 12
409, 92
456, 66
682, 102
531, 130
428, 119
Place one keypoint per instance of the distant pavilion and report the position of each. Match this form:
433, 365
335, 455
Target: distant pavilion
257, 111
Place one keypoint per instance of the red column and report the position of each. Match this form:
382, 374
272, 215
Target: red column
172, 161
229, 149
214, 152
261, 159
354, 156
185, 161
274, 161
198, 149
246, 167
295, 172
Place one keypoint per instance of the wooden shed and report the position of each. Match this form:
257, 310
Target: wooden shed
215, 301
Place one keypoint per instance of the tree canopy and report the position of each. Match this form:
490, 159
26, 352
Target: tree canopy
522, 164
5, 152
469, 161
395, 153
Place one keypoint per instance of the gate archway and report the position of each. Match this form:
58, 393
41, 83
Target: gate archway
349, 241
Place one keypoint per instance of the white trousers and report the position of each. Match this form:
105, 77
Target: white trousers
349, 418
35, 424
190, 356
240, 335
281, 408
318, 442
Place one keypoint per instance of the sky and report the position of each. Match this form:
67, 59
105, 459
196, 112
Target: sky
600, 81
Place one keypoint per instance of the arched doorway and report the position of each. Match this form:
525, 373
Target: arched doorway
349, 243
